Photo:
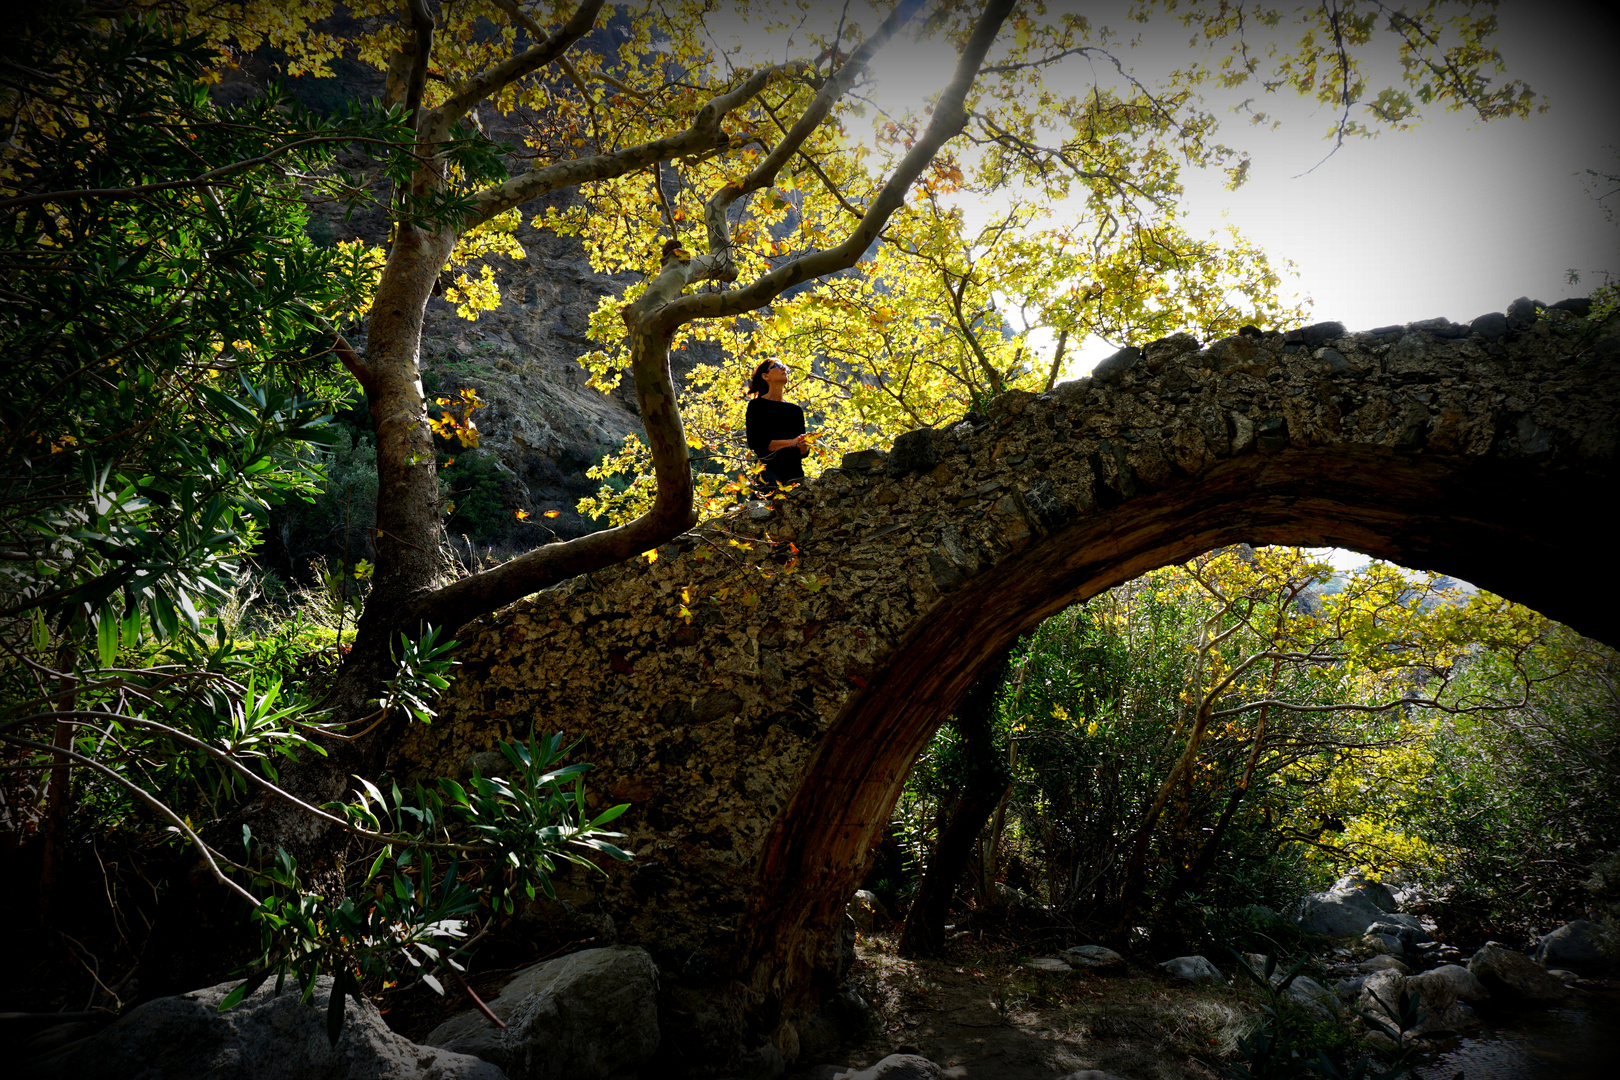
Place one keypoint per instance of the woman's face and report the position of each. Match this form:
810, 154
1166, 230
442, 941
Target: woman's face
776, 374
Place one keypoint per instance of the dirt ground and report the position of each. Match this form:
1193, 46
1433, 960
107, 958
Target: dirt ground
983, 1016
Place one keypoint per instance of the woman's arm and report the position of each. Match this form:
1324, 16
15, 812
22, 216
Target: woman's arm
758, 429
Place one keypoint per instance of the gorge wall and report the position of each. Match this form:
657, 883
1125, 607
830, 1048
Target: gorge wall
758, 692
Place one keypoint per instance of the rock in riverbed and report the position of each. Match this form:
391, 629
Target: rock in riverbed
1515, 975
1194, 969
585, 1016
267, 1037
1584, 947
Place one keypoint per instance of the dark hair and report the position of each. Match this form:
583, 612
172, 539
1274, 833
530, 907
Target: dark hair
757, 386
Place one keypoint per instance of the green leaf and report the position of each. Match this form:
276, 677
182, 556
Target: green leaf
371, 790
334, 1008
106, 637
610, 814
186, 608
253, 982
164, 616
611, 849
130, 633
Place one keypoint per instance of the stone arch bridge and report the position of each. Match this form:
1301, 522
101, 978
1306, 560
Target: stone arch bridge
762, 745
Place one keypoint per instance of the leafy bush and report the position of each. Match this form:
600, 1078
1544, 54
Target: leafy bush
448, 859
1528, 799
173, 380
477, 502
333, 522
1243, 728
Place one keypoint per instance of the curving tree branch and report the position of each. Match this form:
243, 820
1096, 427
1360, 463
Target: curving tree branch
705, 133
950, 117
436, 125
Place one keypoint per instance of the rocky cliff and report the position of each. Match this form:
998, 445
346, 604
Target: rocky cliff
541, 427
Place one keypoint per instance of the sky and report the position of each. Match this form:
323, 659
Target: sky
1454, 219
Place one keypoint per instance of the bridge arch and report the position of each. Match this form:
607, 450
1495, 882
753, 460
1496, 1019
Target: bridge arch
763, 742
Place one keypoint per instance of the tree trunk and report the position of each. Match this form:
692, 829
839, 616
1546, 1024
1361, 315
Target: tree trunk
406, 539
1193, 876
987, 779
988, 866
56, 796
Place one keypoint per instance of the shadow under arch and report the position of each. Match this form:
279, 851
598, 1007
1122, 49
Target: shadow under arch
1511, 527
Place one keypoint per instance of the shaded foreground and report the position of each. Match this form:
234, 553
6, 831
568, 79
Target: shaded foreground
982, 1016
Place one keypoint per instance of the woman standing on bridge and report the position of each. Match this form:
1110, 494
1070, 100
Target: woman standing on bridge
775, 427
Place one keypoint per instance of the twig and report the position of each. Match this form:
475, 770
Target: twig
476, 1000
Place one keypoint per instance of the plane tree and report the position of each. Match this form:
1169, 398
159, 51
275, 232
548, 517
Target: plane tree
715, 153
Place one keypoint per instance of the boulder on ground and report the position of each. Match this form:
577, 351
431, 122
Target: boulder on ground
268, 1036
1193, 969
898, 1067
1415, 930
1380, 894
585, 1016
1515, 975
1317, 999
1388, 935
1383, 963
1339, 912
842, 1017
1093, 958
867, 911
1584, 947
1048, 965
1446, 996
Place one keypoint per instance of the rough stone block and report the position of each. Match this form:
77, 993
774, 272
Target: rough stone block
864, 461
1492, 326
1315, 334
1110, 370
913, 452
1522, 313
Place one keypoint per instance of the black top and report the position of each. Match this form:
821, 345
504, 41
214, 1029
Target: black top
771, 420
